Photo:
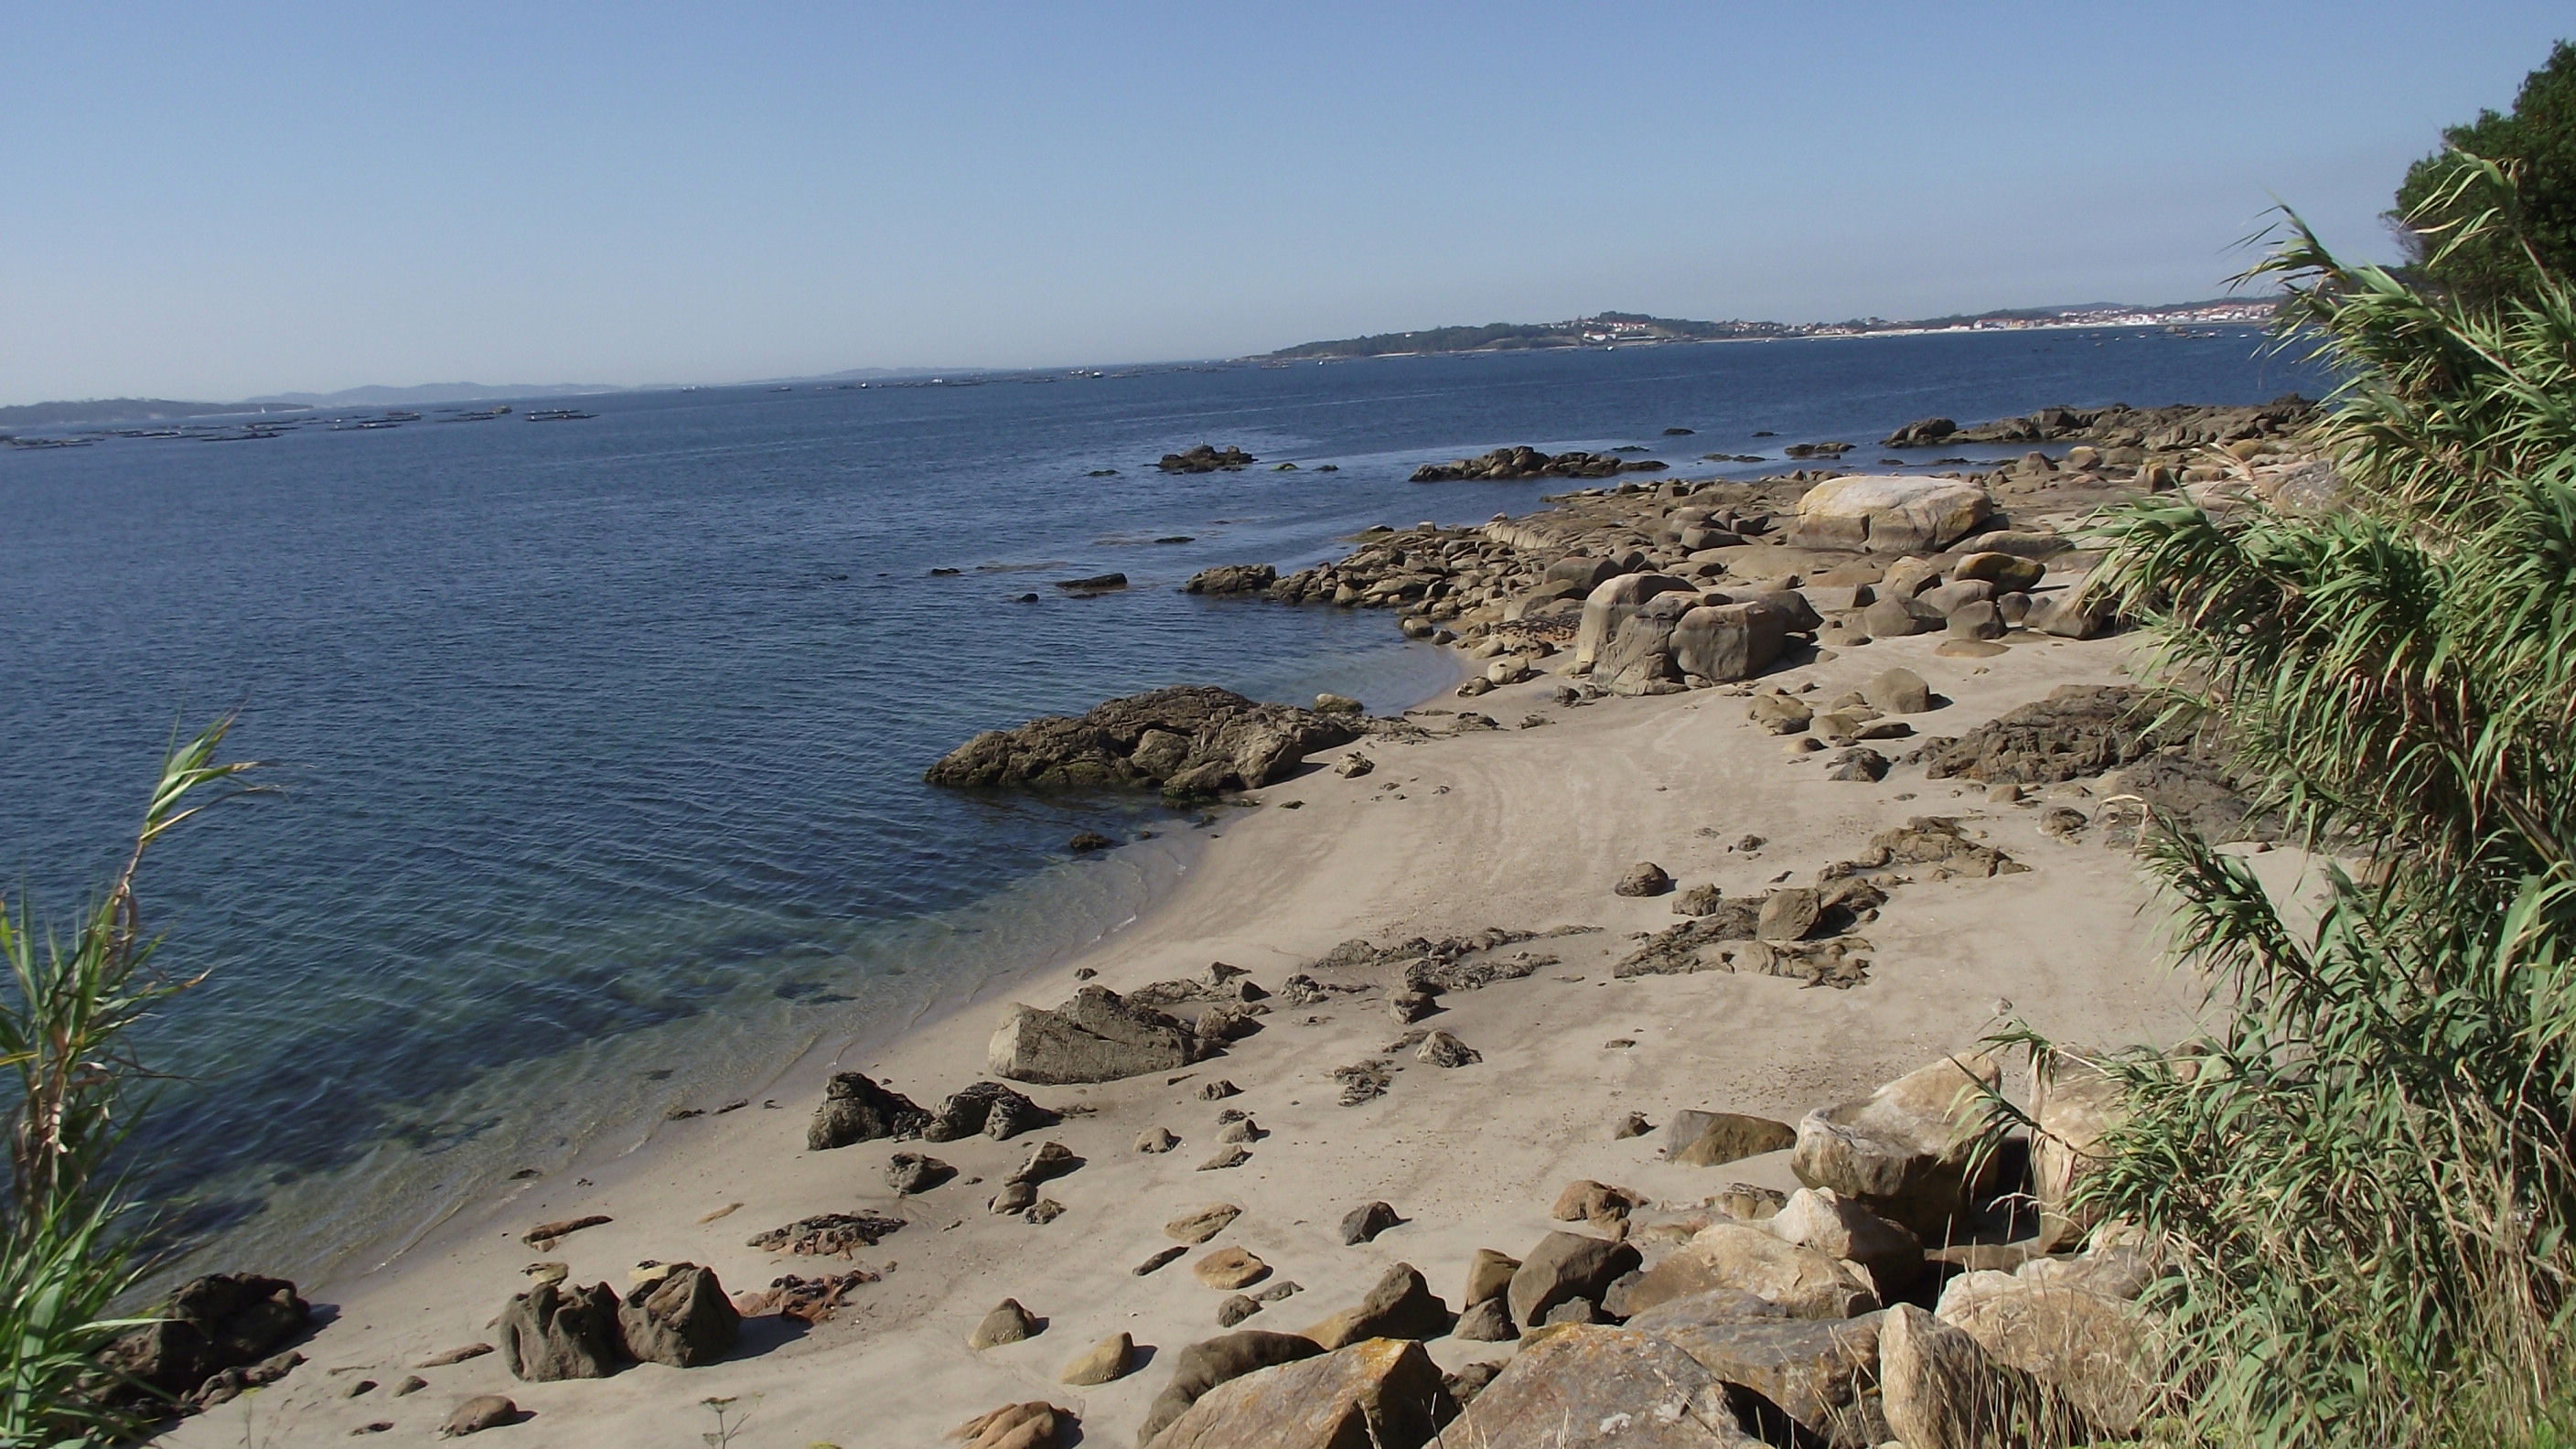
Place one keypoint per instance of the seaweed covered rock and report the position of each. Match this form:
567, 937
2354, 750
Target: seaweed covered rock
856, 1109
2078, 731
1504, 464
1191, 738
217, 1322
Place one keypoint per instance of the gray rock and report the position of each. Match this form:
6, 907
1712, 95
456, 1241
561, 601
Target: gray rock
1645, 878
1699, 900
1565, 1266
1727, 642
1441, 1049
995, 1110
1007, 1323
911, 1172
682, 1318
1787, 915
1486, 1322
1095, 1037
549, 1333
856, 1109
1859, 763
1977, 620
1236, 1309
1362, 1224
1898, 691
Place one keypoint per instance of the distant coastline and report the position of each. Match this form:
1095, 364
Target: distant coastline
1636, 329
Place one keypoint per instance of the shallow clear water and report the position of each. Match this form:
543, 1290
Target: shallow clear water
602, 739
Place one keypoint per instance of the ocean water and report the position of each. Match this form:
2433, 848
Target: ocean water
601, 740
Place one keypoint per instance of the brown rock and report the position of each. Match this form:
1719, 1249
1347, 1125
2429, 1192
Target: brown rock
1566, 1266
1007, 1323
1751, 1260
1903, 1152
1710, 1139
1104, 1361
1378, 1394
484, 1411
1581, 1387
1203, 1223
1940, 1390
1821, 1372
1229, 1268
1489, 1275
1401, 1305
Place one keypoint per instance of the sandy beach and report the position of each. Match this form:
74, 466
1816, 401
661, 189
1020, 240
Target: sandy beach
1522, 828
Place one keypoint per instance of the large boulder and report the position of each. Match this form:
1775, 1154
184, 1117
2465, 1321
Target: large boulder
1218, 740
2074, 1104
552, 1332
1382, 1393
1752, 1260
681, 1318
1823, 1373
856, 1109
1888, 513
1822, 1219
1096, 1037
1613, 602
1728, 642
1640, 650
1583, 1386
1904, 1151
1562, 1268
2102, 1353
217, 1322
1210, 1362
1941, 1390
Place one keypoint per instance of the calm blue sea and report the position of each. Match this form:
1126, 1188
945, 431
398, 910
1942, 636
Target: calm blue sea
601, 740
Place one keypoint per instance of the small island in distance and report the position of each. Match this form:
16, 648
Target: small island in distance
1612, 329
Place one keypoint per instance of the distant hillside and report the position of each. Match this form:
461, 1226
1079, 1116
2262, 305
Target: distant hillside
1637, 329
127, 410
1590, 331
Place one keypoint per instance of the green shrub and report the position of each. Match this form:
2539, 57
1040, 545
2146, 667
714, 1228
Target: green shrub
2365, 1175
66, 1225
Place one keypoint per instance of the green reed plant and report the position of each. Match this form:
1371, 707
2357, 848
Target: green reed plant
67, 1224
2364, 1175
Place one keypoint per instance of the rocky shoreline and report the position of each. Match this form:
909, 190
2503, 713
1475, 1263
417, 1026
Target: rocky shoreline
1533, 1005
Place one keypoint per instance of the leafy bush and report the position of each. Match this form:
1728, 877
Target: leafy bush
2365, 1177
66, 1225
2537, 141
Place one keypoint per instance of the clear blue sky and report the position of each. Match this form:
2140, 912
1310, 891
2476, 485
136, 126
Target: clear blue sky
202, 200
